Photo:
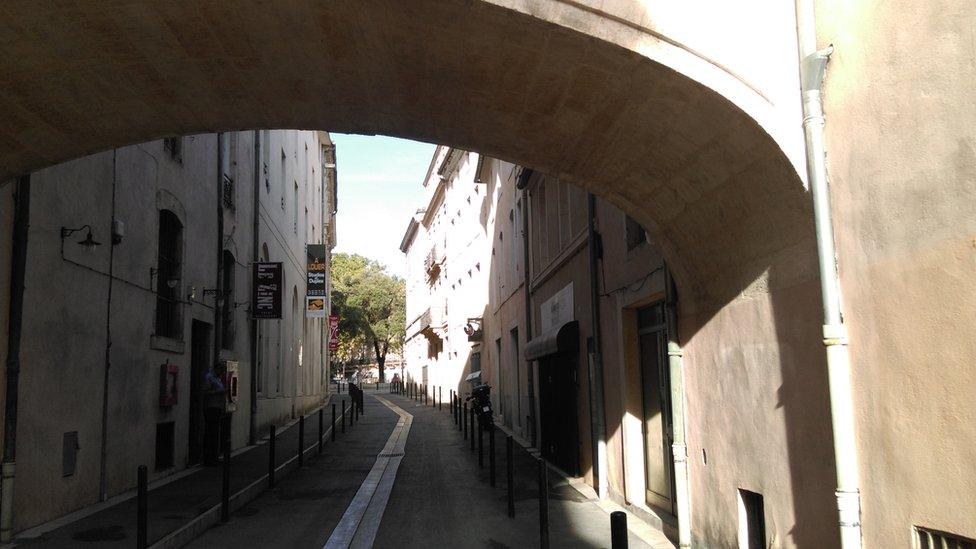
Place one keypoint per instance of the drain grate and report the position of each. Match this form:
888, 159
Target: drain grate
395, 454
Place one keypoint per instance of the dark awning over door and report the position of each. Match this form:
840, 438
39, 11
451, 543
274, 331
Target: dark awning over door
562, 339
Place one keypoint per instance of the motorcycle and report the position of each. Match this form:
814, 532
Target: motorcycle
481, 397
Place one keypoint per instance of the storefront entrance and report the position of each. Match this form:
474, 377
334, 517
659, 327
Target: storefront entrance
558, 356
656, 403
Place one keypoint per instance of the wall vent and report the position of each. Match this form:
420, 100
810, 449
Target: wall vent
934, 539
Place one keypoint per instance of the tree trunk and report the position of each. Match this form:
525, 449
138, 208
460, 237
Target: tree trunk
380, 359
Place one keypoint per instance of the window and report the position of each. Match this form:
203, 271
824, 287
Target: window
283, 175
934, 539
266, 159
752, 521
168, 276
227, 306
228, 147
164, 445
263, 342
69, 453
634, 233
174, 148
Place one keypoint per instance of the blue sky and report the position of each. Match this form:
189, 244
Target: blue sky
380, 187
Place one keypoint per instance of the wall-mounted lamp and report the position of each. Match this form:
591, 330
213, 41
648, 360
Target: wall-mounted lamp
88, 242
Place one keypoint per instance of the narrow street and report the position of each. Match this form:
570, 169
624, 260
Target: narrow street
439, 497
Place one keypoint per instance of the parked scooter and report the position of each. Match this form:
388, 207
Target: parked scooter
481, 395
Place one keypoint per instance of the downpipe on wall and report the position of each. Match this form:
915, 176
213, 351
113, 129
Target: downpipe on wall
679, 448
18, 269
813, 65
598, 425
255, 257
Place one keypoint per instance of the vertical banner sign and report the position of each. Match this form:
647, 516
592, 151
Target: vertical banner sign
333, 332
315, 291
266, 290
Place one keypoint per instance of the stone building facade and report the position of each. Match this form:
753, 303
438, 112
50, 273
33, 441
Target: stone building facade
123, 275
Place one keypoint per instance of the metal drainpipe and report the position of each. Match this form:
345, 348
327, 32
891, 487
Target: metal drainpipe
598, 424
219, 294
255, 257
18, 267
813, 64
529, 374
103, 455
679, 448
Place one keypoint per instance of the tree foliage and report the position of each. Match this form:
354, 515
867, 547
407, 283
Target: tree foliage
371, 305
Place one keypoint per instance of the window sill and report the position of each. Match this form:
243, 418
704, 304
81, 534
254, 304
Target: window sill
168, 344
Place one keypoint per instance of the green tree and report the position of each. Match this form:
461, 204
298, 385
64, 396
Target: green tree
371, 305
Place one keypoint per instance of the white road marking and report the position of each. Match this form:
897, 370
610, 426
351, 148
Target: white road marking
362, 518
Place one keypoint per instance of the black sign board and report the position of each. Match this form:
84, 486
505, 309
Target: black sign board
267, 281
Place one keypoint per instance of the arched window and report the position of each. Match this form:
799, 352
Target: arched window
227, 273
169, 274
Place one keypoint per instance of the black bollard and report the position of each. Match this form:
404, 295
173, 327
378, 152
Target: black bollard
465, 421
272, 437
332, 425
481, 446
510, 472
440, 398
543, 504
320, 430
142, 511
491, 456
426, 395
225, 485
618, 530
343, 415
301, 440
471, 414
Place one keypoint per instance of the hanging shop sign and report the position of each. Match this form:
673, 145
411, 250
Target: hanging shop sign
266, 283
333, 332
315, 287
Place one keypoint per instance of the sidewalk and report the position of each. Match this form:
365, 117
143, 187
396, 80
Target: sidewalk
181, 509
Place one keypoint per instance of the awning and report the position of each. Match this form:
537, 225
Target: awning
562, 339
473, 376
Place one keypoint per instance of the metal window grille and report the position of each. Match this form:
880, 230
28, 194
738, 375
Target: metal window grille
935, 539
228, 193
174, 148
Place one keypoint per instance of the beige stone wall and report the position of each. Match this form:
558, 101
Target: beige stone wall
902, 165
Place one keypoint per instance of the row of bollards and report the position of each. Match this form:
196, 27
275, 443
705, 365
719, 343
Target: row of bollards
142, 507
465, 420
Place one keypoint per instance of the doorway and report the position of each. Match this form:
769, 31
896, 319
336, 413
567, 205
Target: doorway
200, 355
656, 406
557, 409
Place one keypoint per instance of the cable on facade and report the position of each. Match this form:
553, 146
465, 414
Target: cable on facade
642, 280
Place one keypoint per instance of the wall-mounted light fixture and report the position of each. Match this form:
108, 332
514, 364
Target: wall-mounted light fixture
88, 242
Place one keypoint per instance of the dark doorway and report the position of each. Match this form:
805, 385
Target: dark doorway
200, 355
656, 401
558, 414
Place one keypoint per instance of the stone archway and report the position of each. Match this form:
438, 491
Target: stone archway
689, 124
